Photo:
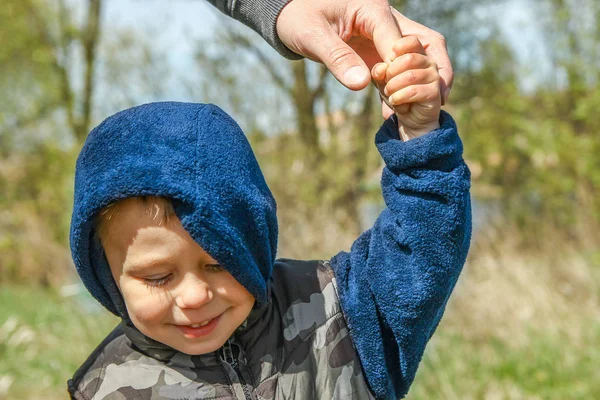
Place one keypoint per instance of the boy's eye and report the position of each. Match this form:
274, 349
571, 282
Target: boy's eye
157, 282
214, 267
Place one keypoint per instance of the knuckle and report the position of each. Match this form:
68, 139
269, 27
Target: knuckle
439, 37
373, 12
379, 6
412, 92
339, 55
409, 59
411, 77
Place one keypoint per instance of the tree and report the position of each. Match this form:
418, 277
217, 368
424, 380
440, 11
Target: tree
52, 65
55, 39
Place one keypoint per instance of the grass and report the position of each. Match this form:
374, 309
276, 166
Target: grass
547, 368
517, 327
43, 339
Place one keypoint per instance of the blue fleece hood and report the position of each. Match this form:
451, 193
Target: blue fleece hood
194, 154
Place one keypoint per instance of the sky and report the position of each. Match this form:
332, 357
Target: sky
181, 21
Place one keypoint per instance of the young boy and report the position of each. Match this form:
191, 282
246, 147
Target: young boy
174, 230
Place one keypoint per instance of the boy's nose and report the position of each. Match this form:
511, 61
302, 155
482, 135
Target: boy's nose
193, 292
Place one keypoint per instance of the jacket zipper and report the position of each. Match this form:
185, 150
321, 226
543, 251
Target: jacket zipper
230, 358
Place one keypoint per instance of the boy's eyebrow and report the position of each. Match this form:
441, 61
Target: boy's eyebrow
142, 264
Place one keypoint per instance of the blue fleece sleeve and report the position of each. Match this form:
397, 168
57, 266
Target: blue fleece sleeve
395, 281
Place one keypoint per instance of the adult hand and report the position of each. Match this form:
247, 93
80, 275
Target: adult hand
351, 36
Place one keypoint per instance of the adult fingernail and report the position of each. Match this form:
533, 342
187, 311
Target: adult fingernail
356, 75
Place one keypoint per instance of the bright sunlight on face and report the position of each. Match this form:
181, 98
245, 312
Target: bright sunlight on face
175, 292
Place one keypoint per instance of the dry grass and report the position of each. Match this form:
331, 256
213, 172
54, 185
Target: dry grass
506, 291
323, 240
31, 255
522, 323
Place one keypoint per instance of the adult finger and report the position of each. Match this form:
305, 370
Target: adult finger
439, 54
340, 59
379, 23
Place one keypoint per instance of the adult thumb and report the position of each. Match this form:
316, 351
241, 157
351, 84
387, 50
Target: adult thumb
341, 60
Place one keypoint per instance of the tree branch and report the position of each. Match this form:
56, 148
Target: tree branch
242, 40
20, 123
320, 88
63, 75
90, 44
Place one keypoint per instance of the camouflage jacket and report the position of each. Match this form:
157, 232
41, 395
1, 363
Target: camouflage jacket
297, 346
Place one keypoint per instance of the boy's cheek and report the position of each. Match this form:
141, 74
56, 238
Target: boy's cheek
142, 304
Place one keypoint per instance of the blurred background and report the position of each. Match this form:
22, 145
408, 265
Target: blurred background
524, 320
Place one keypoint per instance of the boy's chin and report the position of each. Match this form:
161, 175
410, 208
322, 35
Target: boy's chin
198, 349
195, 346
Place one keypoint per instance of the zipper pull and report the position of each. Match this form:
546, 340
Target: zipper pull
234, 359
227, 354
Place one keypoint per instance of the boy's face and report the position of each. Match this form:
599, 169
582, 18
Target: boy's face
175, 292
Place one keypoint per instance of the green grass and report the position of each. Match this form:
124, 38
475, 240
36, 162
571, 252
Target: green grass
548, 367
44, 338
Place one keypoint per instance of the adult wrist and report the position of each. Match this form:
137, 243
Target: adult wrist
262, 16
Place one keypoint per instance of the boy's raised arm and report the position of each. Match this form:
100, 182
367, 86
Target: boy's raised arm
396, 280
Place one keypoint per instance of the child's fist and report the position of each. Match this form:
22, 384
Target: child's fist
410, 85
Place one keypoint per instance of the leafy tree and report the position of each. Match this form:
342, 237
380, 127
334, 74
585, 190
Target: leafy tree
53, 69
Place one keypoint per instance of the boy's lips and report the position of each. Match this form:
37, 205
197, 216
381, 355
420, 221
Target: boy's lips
199, 329
201, 324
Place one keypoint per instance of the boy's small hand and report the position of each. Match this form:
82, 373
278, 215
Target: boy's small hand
411, 86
